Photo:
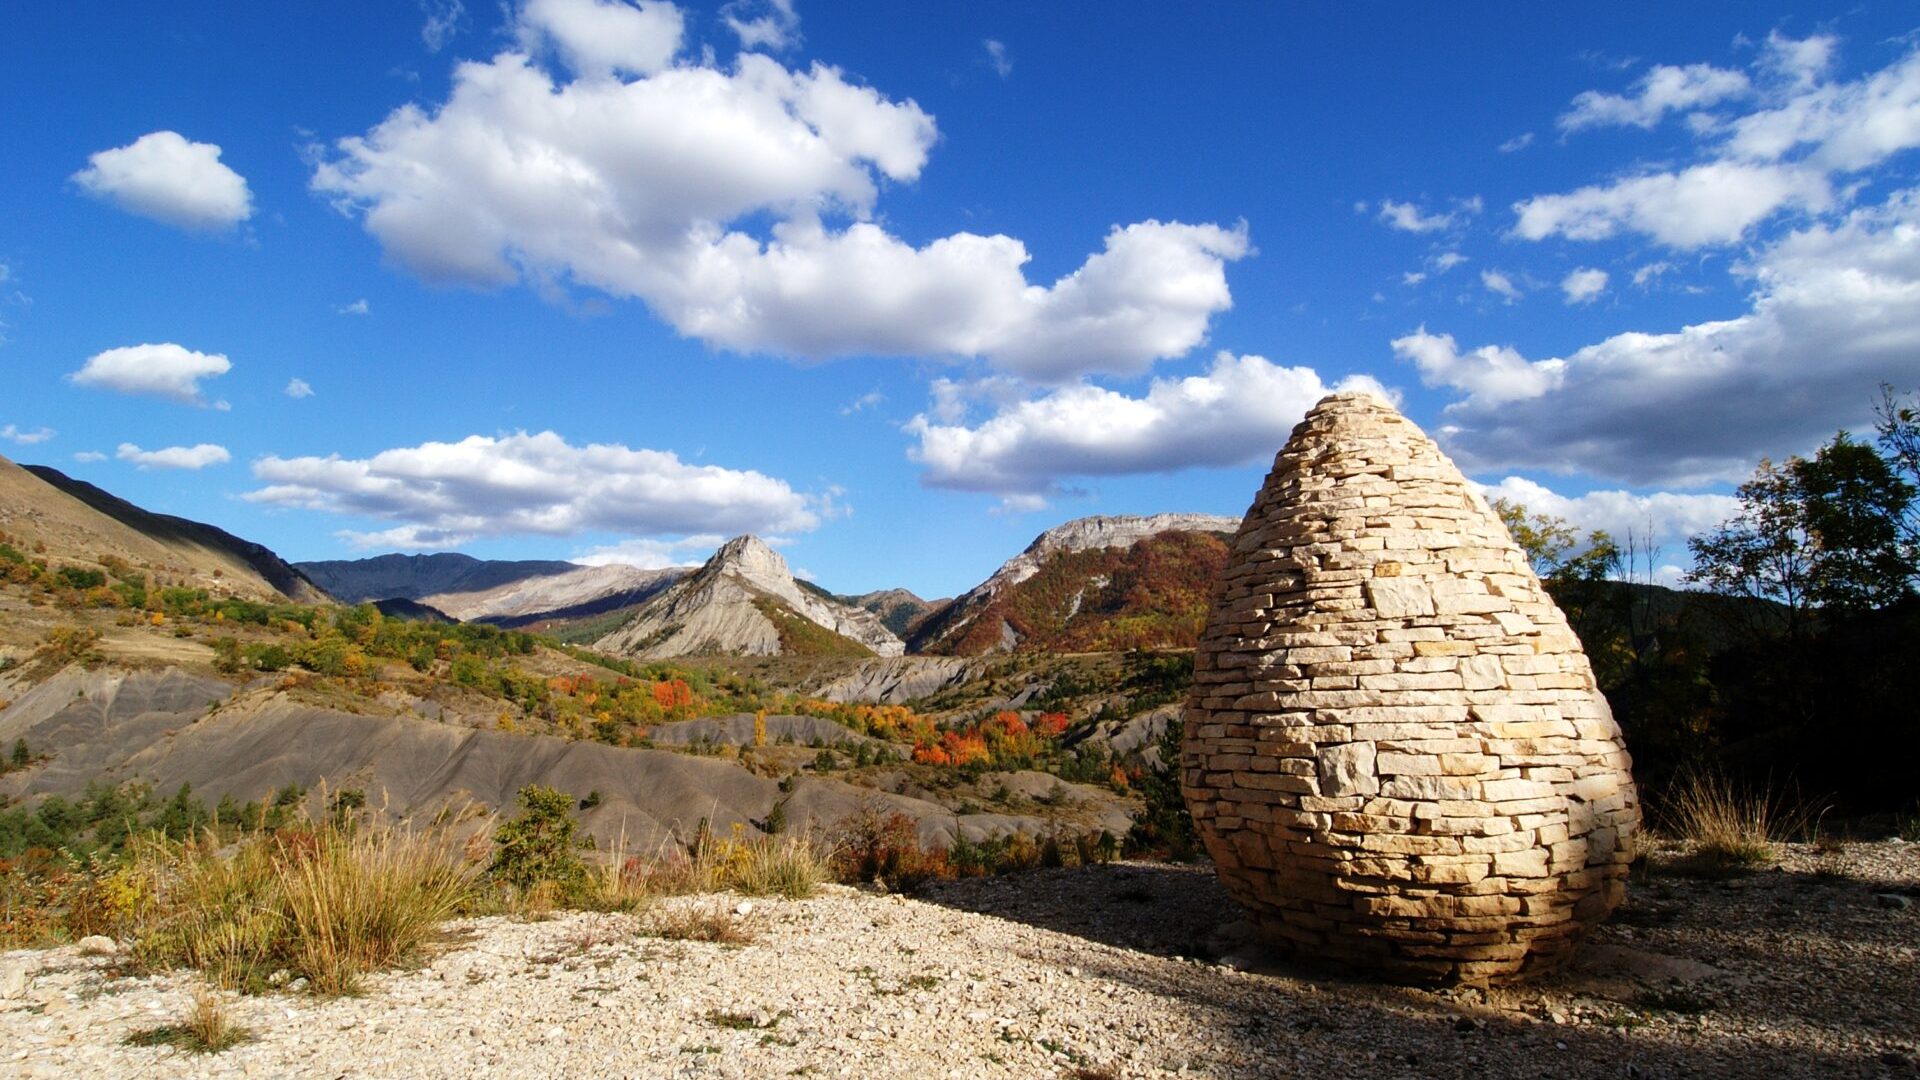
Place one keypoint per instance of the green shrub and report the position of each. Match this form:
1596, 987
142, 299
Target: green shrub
541, 846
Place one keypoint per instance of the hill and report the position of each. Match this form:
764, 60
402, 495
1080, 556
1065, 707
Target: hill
73, 520
417, 577
745, 602
1090, 584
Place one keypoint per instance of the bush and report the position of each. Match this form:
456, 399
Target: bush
541, 846
1164, 825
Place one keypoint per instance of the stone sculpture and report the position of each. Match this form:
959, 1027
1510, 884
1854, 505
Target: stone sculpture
1395, 750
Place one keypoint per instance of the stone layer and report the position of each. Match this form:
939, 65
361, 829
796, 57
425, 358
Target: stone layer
1395, 750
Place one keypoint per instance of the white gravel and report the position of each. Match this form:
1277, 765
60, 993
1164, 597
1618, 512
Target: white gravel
1055, 973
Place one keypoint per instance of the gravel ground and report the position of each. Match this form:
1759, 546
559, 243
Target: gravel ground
1808, 969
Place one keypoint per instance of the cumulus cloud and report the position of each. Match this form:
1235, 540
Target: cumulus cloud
174, 457
1500, 285
1714, 203
1663, 90
14, 434
297, 388
88, 457
605, 37
651, 554
444, 494
1584, 286
1240, 411
1835, 313
997, 57
763, 24
1793, 149
1517, 143
644, 187
1491, 374
165, 177
163, 370
1663, 516
358, 307
1446, 261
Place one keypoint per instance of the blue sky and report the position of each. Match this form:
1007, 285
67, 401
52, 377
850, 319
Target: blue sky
586, 279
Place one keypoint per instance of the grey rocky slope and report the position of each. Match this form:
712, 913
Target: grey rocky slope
728, 606
1081, 534
416, 577
170, 727
574, 593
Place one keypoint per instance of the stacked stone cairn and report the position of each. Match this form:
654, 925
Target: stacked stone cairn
1395, 751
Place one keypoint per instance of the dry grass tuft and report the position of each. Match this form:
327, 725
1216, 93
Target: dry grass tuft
206, 1029
717, 925
328, 904
1729, 827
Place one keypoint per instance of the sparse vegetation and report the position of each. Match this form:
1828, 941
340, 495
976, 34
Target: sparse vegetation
1728, 827
206, 1028
326, 904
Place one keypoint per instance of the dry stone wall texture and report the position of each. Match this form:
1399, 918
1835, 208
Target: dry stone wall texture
1395, 750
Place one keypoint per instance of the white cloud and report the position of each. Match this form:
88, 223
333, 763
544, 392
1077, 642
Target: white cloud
1714, 203
865, 401
1500, 285
1789, 151
1843, 127
444, 494
174, 457
1408, 217
1491, 374
651, 554
605, 37
26, 438
1665, 516
1241, 410
88, 457
1413, 277
633, 187
443, 22
763, 24
298, 388
163, 370
1446, 261
1650, 271
1662, 90
1835, 313
1584, 286
997, 57
165, 177
1517, 143
358, 307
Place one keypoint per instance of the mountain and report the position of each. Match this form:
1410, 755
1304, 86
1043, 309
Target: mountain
899, 610
416, 577
745, 601
77, 521
1093, 583
578, 593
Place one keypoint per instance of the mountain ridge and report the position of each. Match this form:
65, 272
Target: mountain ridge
723, 608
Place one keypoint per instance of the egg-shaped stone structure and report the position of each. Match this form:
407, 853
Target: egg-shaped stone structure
1395, 750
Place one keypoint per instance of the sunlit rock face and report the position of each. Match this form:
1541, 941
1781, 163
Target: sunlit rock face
1395, 750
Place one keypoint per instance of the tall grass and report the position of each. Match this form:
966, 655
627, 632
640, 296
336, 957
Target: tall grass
789, 866
328, 904
1731, 826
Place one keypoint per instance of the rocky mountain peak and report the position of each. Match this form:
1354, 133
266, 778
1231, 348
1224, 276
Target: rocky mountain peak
750, 557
